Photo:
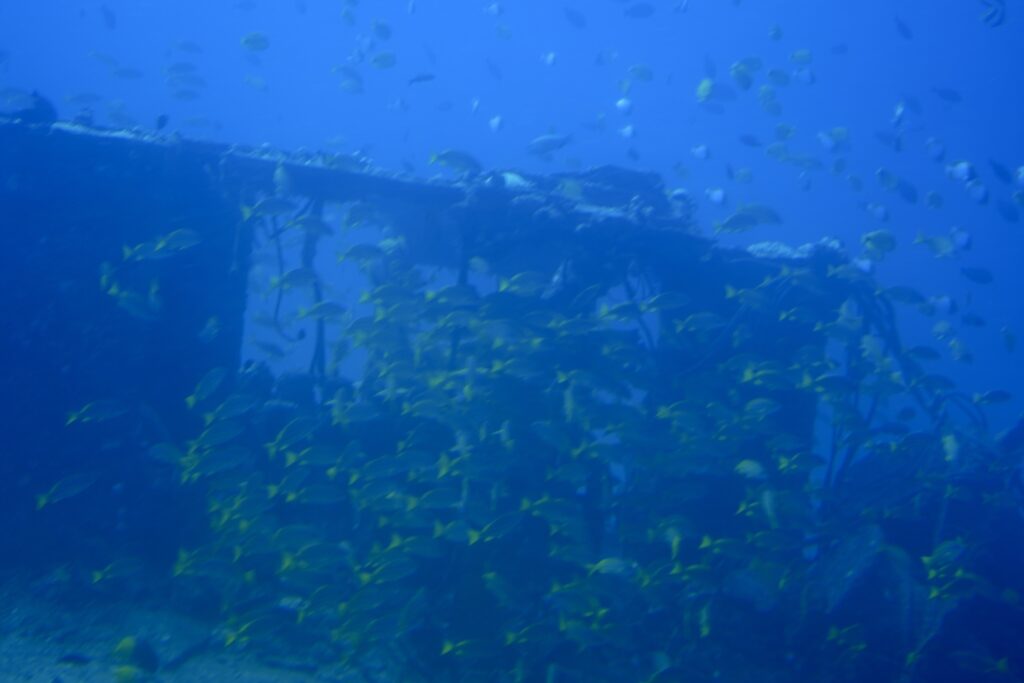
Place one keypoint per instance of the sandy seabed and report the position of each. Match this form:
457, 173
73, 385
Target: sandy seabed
48, 640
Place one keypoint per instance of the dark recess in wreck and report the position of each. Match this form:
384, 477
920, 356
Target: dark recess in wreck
69, 202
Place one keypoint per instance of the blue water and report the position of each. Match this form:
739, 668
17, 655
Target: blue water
501, 74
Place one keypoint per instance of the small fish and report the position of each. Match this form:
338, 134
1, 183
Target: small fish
778, 77
545, 145
804, 75
897, 113
751, 469
384, 60
705, 89
972, 320
903, 29
104, 58
614, 566
181, 69
211, 330
878, 241
741, 174
667, 301
835, 139
163, 247
941, 246
351, 81
981, 276
935, 149
312, 225
494, 70
944, 305
256, 42
961, 238
700, 323
947, 95
424, 77
166, 453
381, 30
575, 18
234, 406
961, 170
761, 408
458, 161
904, 295
127, 73
893, 141
951, 449
761, 213
272, 206
271, 350
323, 310
83, 99
992, 397
801, 57
864, 265
145, 308
877, 211
97, 411
767, 98
1008, 211
178, 240
977, 191
74, 659
1001, 172
994, 14
254, 82
737, 222
296, 277
641, 72
742, 75
907, 191
123, 568
109, 18
640, 10
886, 178
206, 387
66, 488
218, 433
1009, 339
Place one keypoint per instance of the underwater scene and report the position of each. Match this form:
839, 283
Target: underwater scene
528, 341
